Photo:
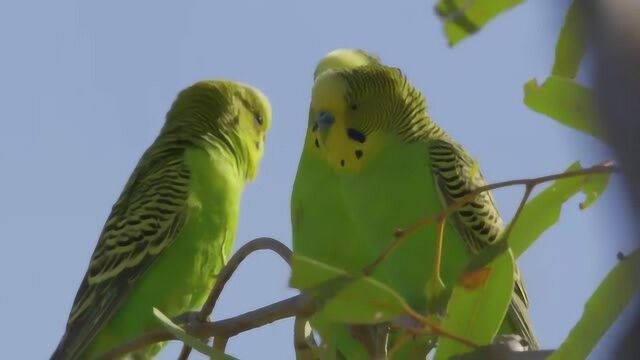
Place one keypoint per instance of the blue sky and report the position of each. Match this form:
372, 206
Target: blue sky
84, 87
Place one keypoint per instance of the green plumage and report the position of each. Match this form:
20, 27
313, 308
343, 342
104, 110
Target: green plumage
322, 229
390, 166
174, 225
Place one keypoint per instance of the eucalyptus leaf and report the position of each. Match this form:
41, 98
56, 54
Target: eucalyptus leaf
593, 187
344, 297
565, 101
479, 301
572, 43
462, 18
543, 211
602, 309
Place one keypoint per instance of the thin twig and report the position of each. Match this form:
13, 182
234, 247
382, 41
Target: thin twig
527, 193
261, 243
296, 305
303, 305
220, 343
402, 234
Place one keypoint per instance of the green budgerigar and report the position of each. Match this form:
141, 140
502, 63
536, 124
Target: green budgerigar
387, 165
318, 184
174, 225
322, 229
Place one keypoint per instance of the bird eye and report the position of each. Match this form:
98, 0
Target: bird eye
353, 107
259, 119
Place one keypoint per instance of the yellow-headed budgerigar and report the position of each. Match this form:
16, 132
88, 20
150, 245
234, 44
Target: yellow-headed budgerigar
322, 229
382, 164
174, 225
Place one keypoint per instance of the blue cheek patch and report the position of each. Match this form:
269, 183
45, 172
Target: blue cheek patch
356, 135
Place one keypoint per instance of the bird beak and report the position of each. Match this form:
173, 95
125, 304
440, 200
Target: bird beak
325, 119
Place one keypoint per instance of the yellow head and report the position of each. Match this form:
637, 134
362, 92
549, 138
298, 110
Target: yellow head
345, 59
355, 110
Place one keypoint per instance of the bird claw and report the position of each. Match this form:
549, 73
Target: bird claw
190, 317
512, 342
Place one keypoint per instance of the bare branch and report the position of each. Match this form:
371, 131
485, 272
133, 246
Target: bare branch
220, 343
303, 306
523, 201
262, 243
297, 305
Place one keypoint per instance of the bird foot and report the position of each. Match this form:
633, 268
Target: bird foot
190, 317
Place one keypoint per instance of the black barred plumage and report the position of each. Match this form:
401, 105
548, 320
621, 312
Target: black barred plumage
379, 102
405, 113
478, 223
141, 224
152, 209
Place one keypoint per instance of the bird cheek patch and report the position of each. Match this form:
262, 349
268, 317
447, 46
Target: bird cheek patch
356, 135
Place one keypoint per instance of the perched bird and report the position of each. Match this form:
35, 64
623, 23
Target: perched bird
382, 164
316, 192
174, 225
321, 226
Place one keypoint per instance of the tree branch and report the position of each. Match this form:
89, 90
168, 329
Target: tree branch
262, 243
302, 305
530, 183
296, 305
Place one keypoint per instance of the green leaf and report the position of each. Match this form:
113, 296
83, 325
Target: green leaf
479, 301
571, 44
463, 17
602, 309
192, 341
565, 101
593, 187
344, 297
543, 211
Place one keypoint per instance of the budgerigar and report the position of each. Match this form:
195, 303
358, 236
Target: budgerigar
321, 226
391, 166
174, 225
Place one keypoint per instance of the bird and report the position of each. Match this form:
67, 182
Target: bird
373, 162
174, 225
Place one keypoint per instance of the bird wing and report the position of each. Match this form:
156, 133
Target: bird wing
478, 223
144, 221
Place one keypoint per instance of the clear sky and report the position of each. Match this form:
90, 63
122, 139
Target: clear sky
84, 87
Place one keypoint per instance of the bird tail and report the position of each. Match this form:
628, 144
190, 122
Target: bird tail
518, 316
60, 352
